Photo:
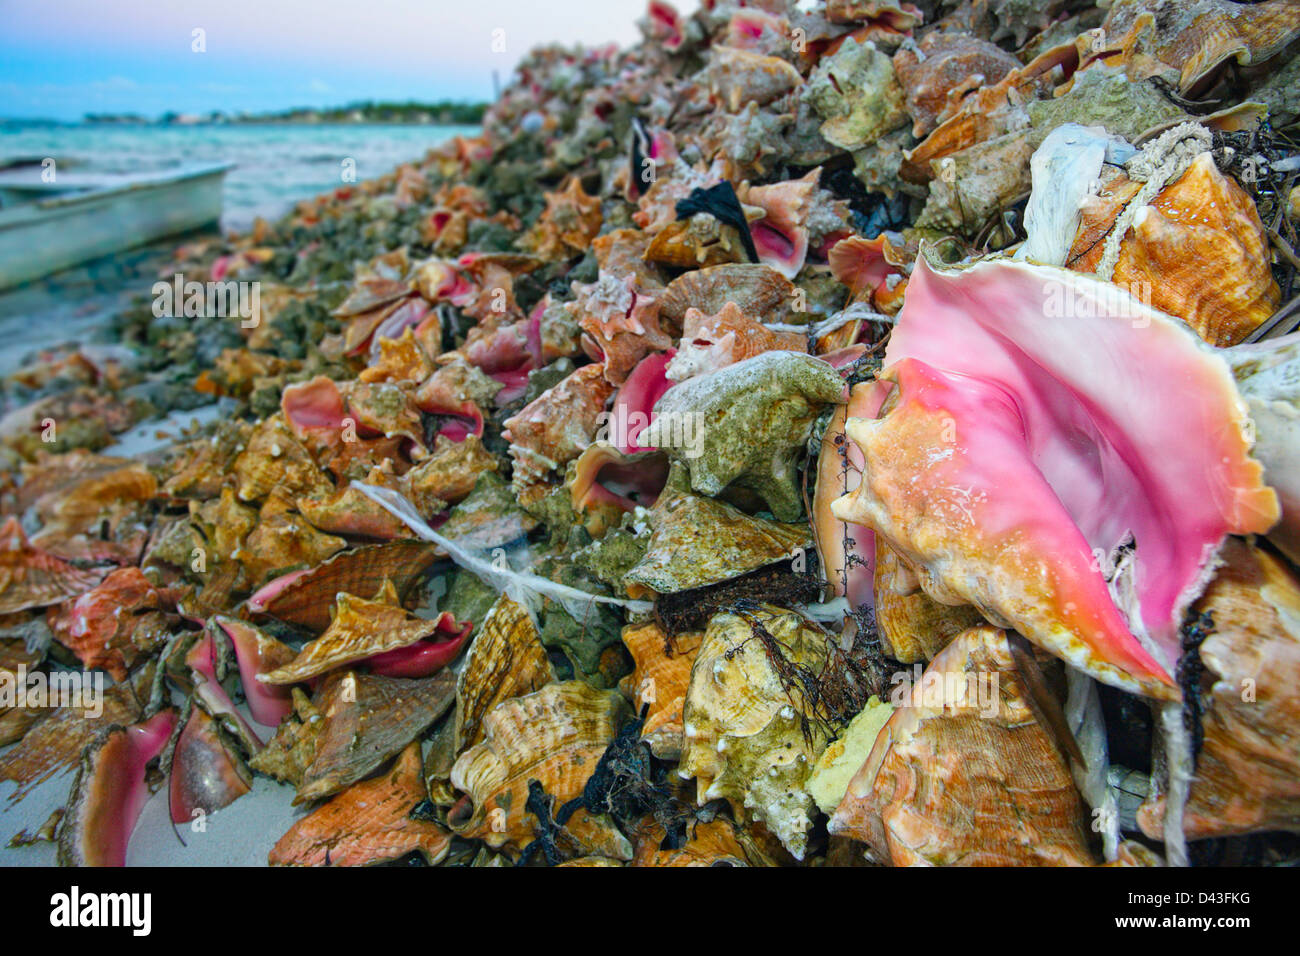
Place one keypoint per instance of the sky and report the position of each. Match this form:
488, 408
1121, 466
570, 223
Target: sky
61, 59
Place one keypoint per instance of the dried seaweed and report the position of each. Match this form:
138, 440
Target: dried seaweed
776, 583
832, 696
625, 787
1255, 159
548, 833
1189, 671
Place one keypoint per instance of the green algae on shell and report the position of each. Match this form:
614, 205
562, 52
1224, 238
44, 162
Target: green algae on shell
698, 541
857, 94
746, 424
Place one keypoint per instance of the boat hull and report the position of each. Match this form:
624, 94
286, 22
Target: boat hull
40, 238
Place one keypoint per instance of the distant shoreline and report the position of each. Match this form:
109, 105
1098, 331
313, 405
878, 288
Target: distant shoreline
441, 113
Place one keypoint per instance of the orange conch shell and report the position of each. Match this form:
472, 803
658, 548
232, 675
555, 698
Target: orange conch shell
660, 681
555, 427
305, 598
368, 719
758, 290
555, 736
913, 626
369, 822
276, 459
964, 774
1248, 771
569, 223
361, 628
711, 342
1201, 218
30, 577
506, 659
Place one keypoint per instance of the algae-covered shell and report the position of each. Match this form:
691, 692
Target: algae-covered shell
746, 423
698, 541
750, 736
856, 93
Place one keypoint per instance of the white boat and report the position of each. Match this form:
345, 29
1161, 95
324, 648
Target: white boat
45, 227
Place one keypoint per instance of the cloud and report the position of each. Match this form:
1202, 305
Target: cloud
319, 86
114, 84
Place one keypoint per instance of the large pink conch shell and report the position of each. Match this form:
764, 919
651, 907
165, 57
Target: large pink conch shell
110, 791
1061, 456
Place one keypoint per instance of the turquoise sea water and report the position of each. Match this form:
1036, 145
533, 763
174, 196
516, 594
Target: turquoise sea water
275, 166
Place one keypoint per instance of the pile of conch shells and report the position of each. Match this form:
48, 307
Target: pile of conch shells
859, 433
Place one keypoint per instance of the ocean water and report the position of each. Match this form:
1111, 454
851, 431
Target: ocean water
275, 166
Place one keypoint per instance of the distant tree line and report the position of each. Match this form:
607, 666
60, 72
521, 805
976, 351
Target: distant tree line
438, 112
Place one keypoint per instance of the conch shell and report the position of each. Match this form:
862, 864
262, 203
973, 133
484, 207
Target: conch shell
750, 735
116, 622
937, 73
912, 625
506, 659
978, 475
370, 822
555, 736
857, 94
1192, 39
555, 427
659, 682
759, 414
305, 598
621, 322
1248, 771
711, 342
737, 77
964, 774
30, 577
109, 792
362, 629
276, 460
368, 719
759, 291
1201, 218
569, 223
698, 541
